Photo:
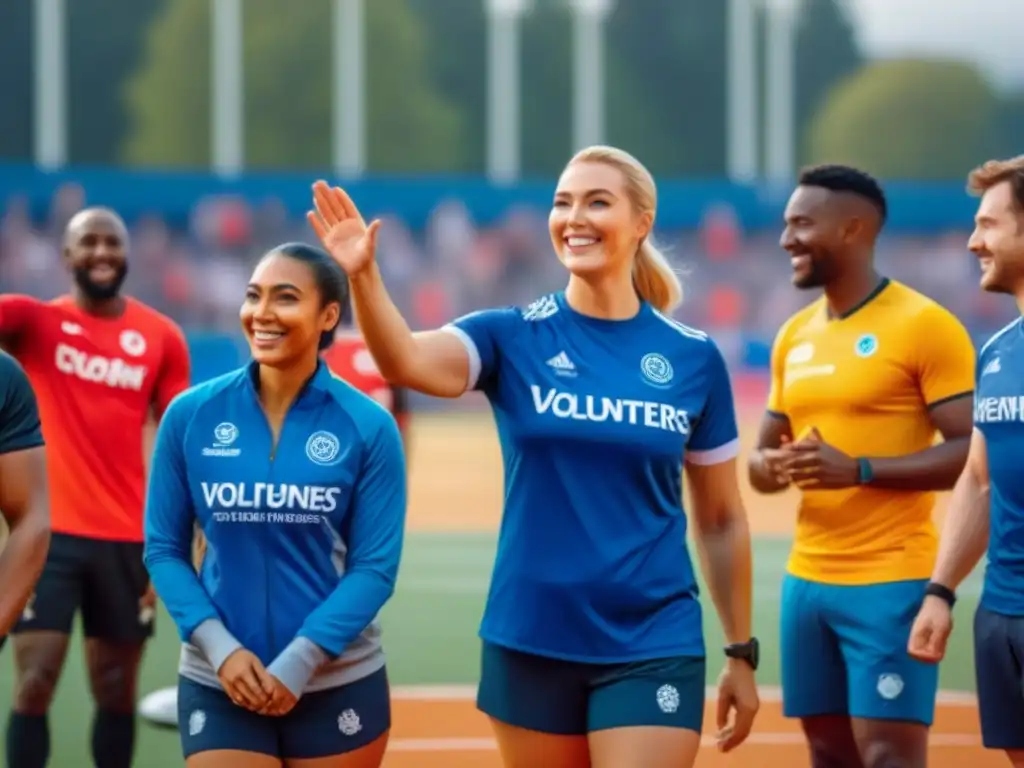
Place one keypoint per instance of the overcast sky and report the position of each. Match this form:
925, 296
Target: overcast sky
988, 32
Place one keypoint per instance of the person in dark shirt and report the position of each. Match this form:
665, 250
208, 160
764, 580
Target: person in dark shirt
22, 493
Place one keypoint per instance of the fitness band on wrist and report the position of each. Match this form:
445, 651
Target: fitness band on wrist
942, 592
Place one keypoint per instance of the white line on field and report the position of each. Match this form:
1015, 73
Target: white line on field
756, 739
769, 693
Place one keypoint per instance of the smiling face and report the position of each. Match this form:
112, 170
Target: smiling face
95, 251
813, 235
595, 226
998, 240
284, 313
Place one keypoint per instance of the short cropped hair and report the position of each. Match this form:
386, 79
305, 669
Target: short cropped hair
844, 178
995, 172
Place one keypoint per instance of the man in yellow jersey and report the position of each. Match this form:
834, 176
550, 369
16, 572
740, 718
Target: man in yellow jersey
863, 381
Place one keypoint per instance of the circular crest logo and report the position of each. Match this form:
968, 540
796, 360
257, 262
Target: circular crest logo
323, 448
132, 343
668, 698
890, 686
348, 722
656, 369
866, 345
225, 433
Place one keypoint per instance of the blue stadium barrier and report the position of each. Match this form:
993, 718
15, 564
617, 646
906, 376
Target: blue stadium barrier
914, 207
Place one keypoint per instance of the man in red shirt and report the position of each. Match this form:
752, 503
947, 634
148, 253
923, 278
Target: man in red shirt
102, 365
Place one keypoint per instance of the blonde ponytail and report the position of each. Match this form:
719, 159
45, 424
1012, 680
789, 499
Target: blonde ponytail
653, 277
655, 280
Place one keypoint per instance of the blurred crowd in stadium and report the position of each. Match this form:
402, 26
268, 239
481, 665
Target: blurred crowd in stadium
737, 283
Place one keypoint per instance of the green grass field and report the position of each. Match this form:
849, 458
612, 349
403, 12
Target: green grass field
430, 637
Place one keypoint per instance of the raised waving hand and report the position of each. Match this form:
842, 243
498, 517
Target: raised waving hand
341, 229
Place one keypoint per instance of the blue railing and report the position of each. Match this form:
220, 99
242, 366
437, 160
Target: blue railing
915, 207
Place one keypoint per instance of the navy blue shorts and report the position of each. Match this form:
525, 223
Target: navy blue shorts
998, 663
570, 698
322, 724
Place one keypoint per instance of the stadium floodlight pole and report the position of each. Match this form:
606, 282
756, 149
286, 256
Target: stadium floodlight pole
227, 91
503, 21
349, 91
50, 140
780, 101
588, 91
742, 74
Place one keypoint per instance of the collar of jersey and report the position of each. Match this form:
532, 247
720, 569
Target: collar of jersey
320, 381
601, 322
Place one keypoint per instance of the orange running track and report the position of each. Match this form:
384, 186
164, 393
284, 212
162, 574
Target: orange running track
439, 727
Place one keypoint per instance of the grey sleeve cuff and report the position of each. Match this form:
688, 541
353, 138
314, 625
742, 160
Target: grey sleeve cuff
216, 643
297, 663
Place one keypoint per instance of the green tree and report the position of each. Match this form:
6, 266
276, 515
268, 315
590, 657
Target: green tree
105, 40
908, 120
1010, 124
826, 52
287, 56
16, 80
667, 84
456, 40
546, 88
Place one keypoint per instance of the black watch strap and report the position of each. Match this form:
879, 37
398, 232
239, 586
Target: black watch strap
749, 652
942, 592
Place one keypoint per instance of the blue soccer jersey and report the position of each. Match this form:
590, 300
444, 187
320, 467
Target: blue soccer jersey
303, 538
999, 414
594, 418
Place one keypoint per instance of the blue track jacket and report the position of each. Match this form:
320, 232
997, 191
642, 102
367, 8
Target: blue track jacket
303, 538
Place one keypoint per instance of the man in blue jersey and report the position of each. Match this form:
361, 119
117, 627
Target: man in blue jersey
987, 506
298, 483
22, 493
593, 648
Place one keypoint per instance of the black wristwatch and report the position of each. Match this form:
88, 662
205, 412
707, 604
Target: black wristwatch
749, 651
942, 592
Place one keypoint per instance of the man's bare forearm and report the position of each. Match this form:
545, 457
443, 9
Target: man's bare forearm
964, 533
933, 469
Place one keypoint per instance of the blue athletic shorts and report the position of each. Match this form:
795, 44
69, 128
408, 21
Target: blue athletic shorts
572, 699
322, 724
844, 652
998, 653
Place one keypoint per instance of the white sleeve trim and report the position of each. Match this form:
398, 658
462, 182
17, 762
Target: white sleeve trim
717, 455
471, 351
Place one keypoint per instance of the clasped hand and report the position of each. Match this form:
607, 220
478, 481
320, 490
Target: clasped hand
248, 684
810, 462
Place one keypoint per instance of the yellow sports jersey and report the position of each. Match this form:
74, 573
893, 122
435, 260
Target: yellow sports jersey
866, 381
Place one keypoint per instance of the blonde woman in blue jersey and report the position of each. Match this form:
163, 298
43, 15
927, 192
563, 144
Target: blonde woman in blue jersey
297, 481
593, 651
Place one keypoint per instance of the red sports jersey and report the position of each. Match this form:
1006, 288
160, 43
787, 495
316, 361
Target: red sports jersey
97, 381
349, 359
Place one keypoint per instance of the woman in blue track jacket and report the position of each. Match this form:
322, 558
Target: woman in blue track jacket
298, 482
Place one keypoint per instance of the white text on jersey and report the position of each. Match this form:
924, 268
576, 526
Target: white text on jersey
992, 410
264, 496
569, 405
101, 370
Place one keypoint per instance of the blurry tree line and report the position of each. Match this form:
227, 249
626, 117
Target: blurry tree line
139, 88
